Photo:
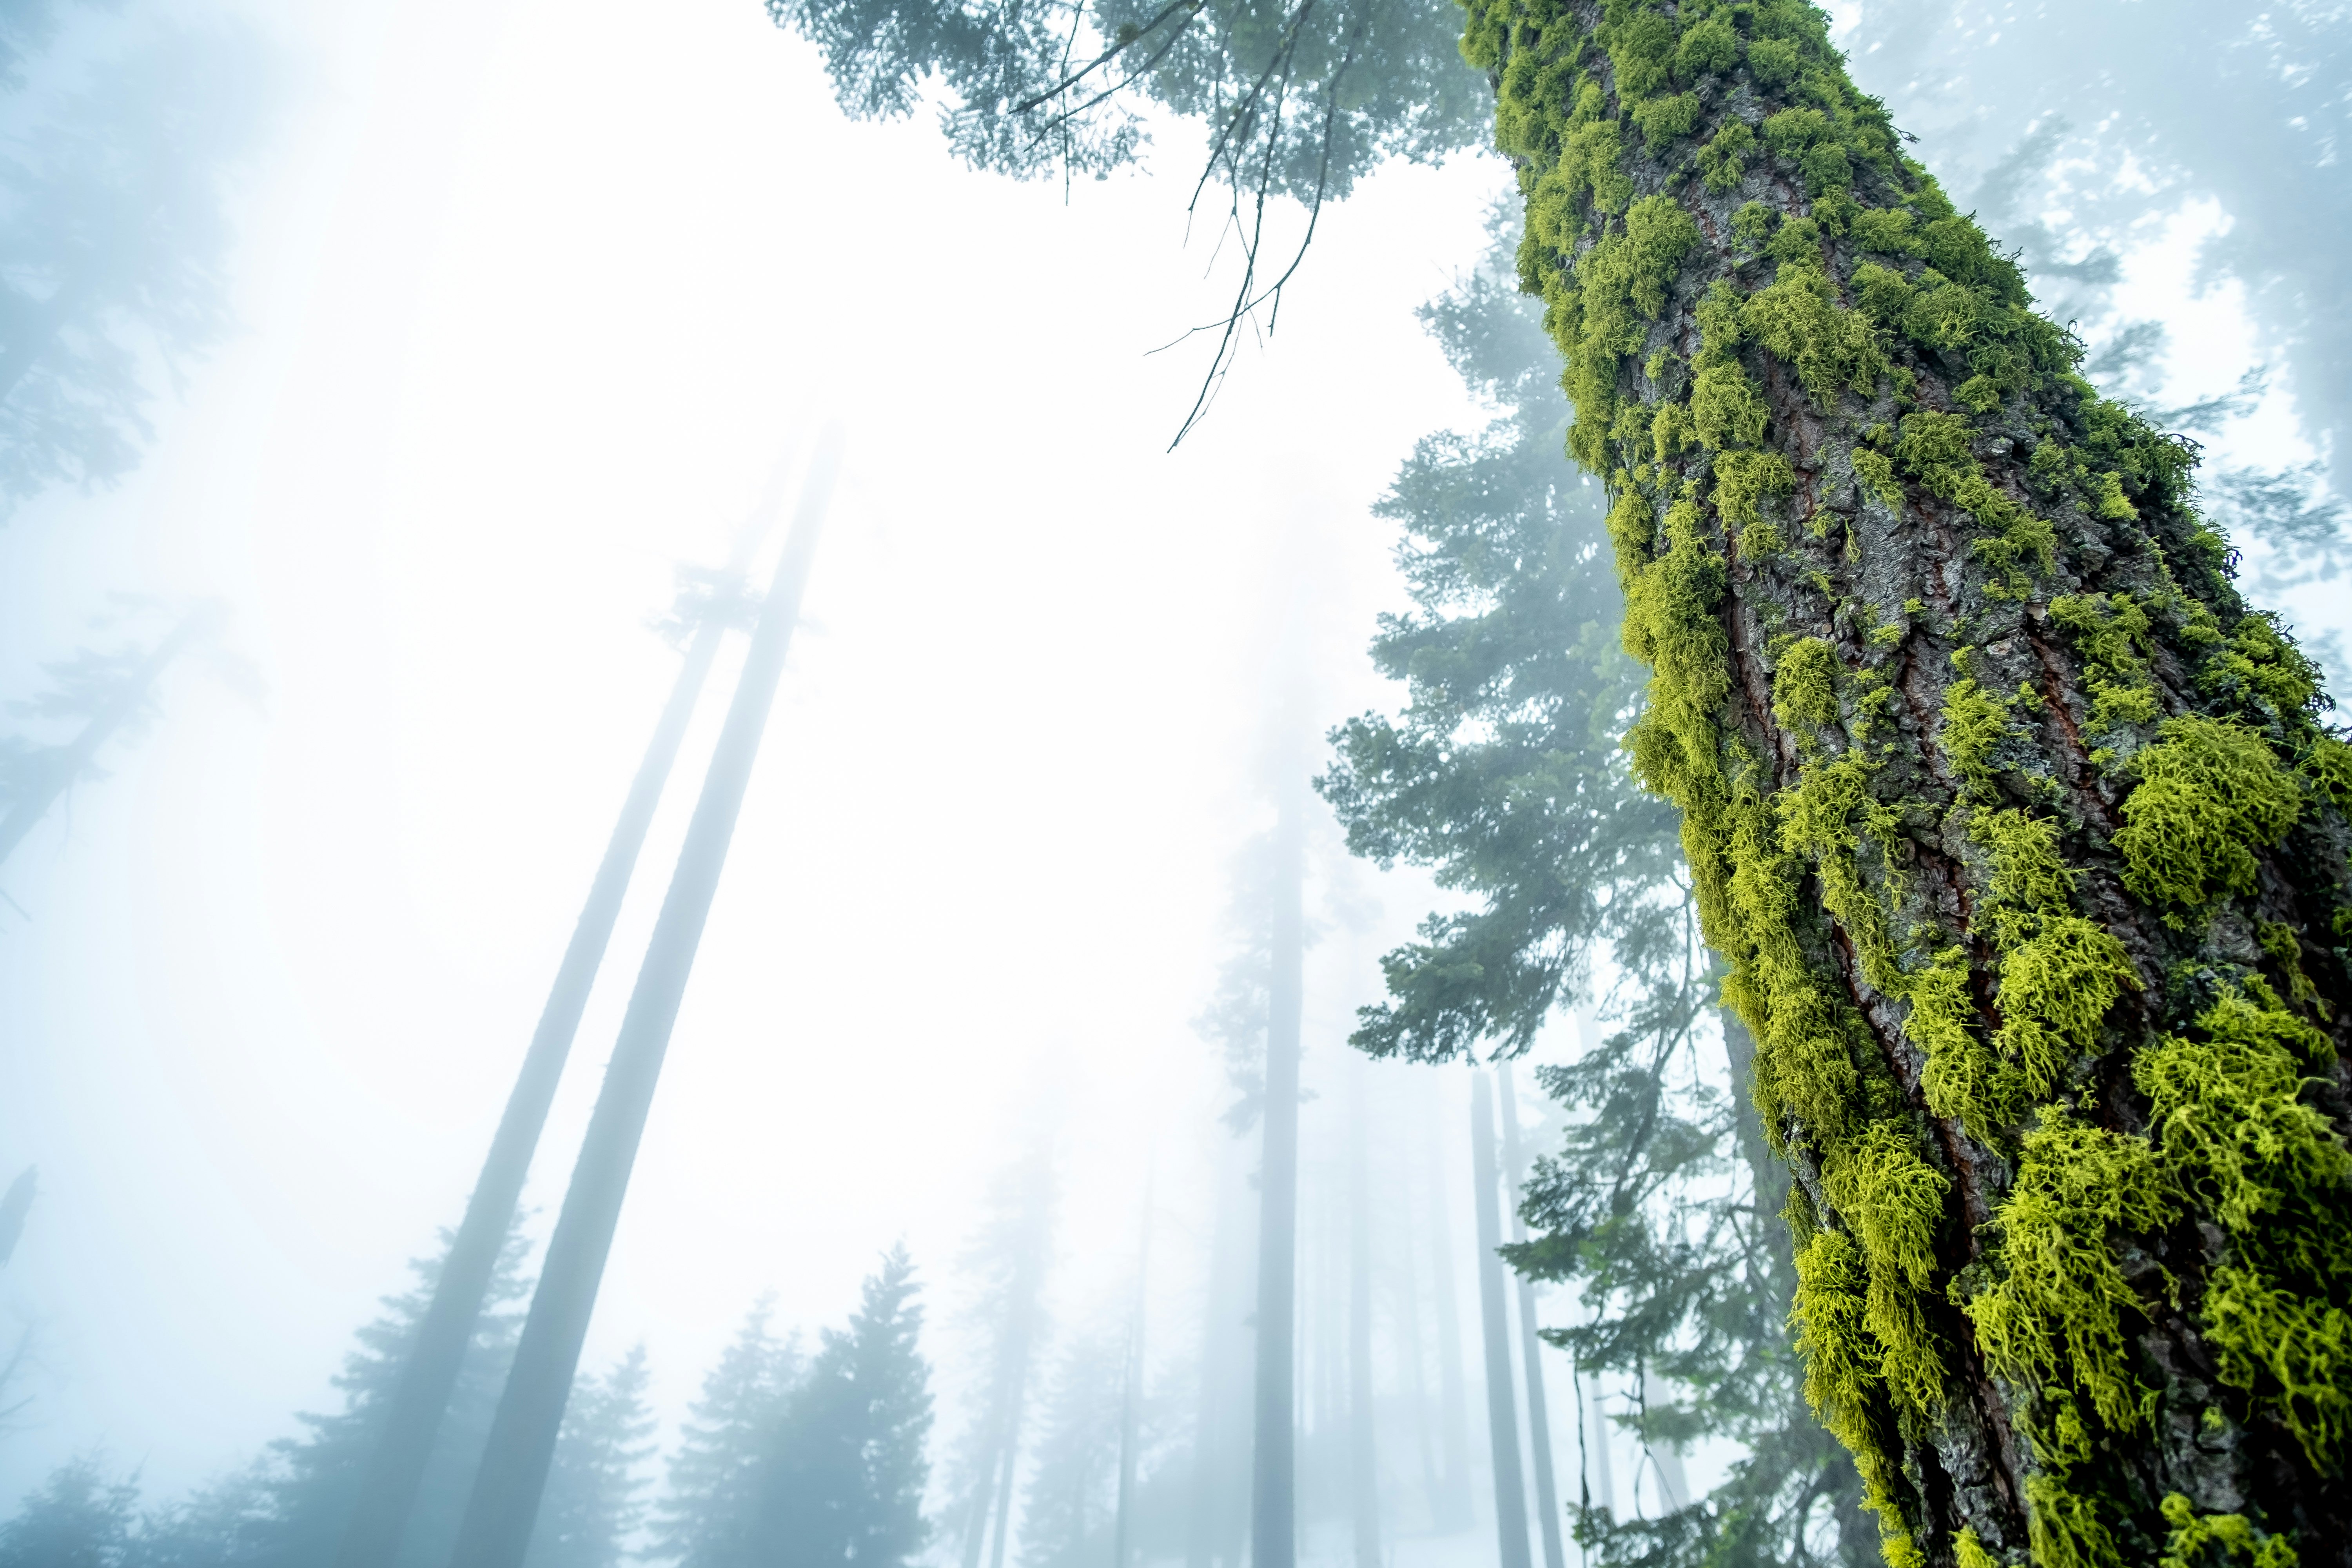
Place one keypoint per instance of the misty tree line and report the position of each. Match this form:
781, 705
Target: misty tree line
792, 1454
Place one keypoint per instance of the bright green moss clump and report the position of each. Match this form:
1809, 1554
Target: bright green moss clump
2211, 794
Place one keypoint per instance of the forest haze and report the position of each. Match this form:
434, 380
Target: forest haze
1191, 692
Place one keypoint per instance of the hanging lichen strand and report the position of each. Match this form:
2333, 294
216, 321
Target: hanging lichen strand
2014, 823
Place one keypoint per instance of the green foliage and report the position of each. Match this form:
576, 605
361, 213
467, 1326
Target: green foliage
2211, 793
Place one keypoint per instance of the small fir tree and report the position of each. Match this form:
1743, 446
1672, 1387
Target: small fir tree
705, 1516
845, 1475
79, 1518
592, 1505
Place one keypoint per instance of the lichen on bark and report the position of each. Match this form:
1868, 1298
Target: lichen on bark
2018, 829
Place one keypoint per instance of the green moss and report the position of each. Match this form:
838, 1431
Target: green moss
2211, 793
1751, 225
1974, 724
1877, 476
1744, 480
1894, 1202
2228, 1120
2062, 1529
2057, 1309
1724, 160
1804, 687
1968, 1551
1726, 410
2211, 1539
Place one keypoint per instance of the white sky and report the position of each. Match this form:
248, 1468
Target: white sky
534, 294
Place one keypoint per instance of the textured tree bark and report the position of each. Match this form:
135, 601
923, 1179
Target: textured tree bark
2014, 823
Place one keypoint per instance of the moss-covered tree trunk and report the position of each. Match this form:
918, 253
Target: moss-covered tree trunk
2015, 825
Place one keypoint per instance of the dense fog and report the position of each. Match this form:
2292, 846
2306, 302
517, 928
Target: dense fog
389, 391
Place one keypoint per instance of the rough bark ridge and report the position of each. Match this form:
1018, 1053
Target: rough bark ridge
2017, 828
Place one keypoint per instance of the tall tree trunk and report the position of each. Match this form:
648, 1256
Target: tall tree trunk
1502, 1409
1600, 1478
1363, 1458
1415, 1358
2014, 822
505, 1498
1273, 1535
396, 1467
1451, 1510
1538, 1410
1130, 1407
1217, 1523
77, 753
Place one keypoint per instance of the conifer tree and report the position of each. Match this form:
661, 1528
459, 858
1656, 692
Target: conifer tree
77, 1519
1009, 1260
708, 1511
1067, 1517
843, 1477
312, 1480
592, 1507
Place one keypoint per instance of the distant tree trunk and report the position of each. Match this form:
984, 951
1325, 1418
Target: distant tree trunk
1273, 1496
496, 1527
1009, 1465
1600, 1480
1538, 1410
15, 1207
69, 763
2015, 824
1416, 1357
1502, 1409
1217, 1525
1451, 1510
396, 1467
1130, 1408
1364, 1459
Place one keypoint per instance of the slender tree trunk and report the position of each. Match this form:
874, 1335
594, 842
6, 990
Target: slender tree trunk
1274, 1531
983, 1506
1364, 1459
1217, 1526
396, 1467
1600, 1475
1131, 1393
504, 1502
1010, 1469
1548, 1514
77, 755
1451, 1509
2014, 822
1415, 1356
1502, 1409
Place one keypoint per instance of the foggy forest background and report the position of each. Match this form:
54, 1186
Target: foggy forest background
383, 390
